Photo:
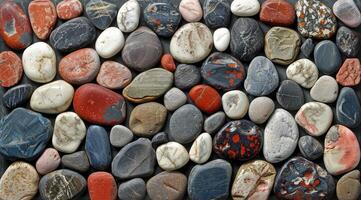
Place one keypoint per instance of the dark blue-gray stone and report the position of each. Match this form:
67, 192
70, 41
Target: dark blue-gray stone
186, 76
4, 164
210, 181
159, 139
97, 147
24, 134
307, 47
133, 189
216, 13
18, 95
214, 122
348, 42
327, 57
73, 34
262, 77
358, 3
310, 147
348, 109
101, 13
3, 110
136, 159
77, 161
290, 95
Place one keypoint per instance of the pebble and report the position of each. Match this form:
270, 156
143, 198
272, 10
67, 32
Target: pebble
302, 179
109, 42
39, 61
221, 39
4, 164
17, 96
3, 110
73, 34
347, 12
348, 42
136, 159
102, 185
133, 189
24, 134
42, 15
277, 13
247, 39
174, 99
69, 9
254, 180
348, 108
325, 89
159, 139
148, 85
349, 73
128, 16
191, 10
310, 148
290, 95
62, 184
315, 19
304, 72
120, 136
223, 71
216, 13
15, 29
201, 148
191, 43
280, 136
167, 185
185, 124
11, 69
327, 57
342, 150
214, 122
48, 161
113, 75
210, 181
58, 96
245, 8
77, 161
97, 147
235, 104
260, 109
99, 105
79, 67
20, 181
172, 156
186, 76
167, 62
147, 119
101, 13
206, 98
348, 186
307, 47
262, 77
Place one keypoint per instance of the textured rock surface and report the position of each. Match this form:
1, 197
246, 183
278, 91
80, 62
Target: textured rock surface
310, 147
133, 189
113, 75
206, 98
201, 148
277, 12
11, 69
77, 161
304, 72
18, 95
348, 108
349, 73
235, 104
101, 13
167, 185
348, 186
172, 156
216, 13
69, 9
42, 15
348, 41
128, 16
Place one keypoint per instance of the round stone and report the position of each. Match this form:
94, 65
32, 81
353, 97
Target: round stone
349, 73
310, 148
167, 62
133, 189
186, 76
216, 13
348, 186
109, 42
48, 161
11, 69
307, 47
214, 122
290, 95
201, 148
42, 15
113, 75
69, 9
347, 12
128, 16
172, 156
245, 8
77, 161
101, 13
325, 89
260, 109
102, 185
206, 98
221, 39
120, 136
348, 41
174, 99
327, 57
304, 72
191, 10
277, 13
167, 185
159, 139
348, 108
17, 96
235, 104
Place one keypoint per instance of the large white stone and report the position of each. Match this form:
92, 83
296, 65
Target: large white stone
172, 156
235, 104
109, 42
325, 89
128, 16
304, 72
201, 148
245, 8
221, 39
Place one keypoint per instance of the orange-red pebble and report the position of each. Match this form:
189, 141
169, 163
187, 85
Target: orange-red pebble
102, 186
11, 69
205, 98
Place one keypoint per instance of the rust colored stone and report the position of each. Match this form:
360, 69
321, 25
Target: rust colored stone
102, 186
114, 75
277, 13
43, 17
167, 62
205, 98
69, 9
349, 73
11, 69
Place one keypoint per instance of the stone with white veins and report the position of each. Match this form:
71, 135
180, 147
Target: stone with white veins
325, 89
128, 16
109, 42
221, 39
304, 72
172, 156
235, 104
201, 148
245, 8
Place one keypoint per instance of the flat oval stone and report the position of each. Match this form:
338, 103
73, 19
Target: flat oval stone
327, 57
77, 161
133, 189
174, 99
99, 105
15, 28
148, 85
191, 10
185, 124
349, 73
142, 49
300, 178
62, 184
101, 13
191, 43
167, 62
348, 186
69, 9
201, 148
247, 39
186, 76
280, 136
260, 109
254, 180
277, 13
159, 139
167, 185
20, 181
136, 159
109, 42
325, 89
172, 156
235, 104
11, 69
262, 77
245, 8
310, 148
120, 136
206, 98
347, 12
307, 47
214, 122
221, 39
128, 16
290, 95
17, 96
217, 13
48, 161
102, 185
348, 42
42, 15
342, 150
73, 34
210, 181
304, 72
113, 75
348, 108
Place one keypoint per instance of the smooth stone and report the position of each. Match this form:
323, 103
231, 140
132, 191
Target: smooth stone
280, 136
342, 150
133, 189
210, 181
167, 185
113, 75
136, 159
172, 156
254, 180
214, 122
128, 16
191, 10
102, 185
301, 178
260, 109
358, 4
159, 139
48, 161
201, 148
186, 76
235, 104
327, 57
39, 61
277, 13
69, 9
77, 161
348, 42
62, 184
120, 136
3, 110
262, 77
24, 134
109, 42
290, 95
245, 8
347, 12
304, 72
18, 95
216, 13
310, 148
20, 181
174, 99
11, 69
73, 34
325, 89
167, 62
101, 13
4, 164
206, 98
349, 73
348, 108
307, 47
142, 50
221, 39
148, 85
42, 16
58, 96
97, 147
348, 186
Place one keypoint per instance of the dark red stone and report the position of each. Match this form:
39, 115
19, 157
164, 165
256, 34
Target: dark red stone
206, 98
102, 186
277, 13
167, 62
43, 17
11, 69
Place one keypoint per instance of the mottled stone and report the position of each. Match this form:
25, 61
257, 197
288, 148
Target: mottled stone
133, 189
327, 57
102, 185
216, 13
277, 13
174, 99
101, 13
69, 9
167, 185
325, 89
348, 108
214, 122
304, 72
290, 95
48, 161
128, 16
260, 109
310, 148
235, 104
349, 73
221, 39
113, 75
159, 139
347, 12
191, 10
348, 41
17, 96
348, 186
109, 42
201, 148
245, 8
42, 15
120, 136
206, 98
167, 62
77, 161
11, 69
186, 76
172, 156
307, 47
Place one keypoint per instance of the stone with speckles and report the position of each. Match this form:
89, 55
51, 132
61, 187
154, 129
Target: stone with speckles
42, 15
69, 9
348, 41
11, 69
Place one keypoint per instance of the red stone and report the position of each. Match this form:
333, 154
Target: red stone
114, 75
43, 17
167, 62
69, 9
14, 25
11, 69
349, 73
102, 186
99, 105
205, 98
277, 13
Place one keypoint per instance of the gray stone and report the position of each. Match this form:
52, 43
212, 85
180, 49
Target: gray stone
260, 109
307, 47
174, 99
325, 89
77, 161
167, 185
17, 95
214, 122
310, 147
290, 95
159, 139
348, 186
327, 57
133, 189
3, 110
348, 41
101, 13
120, 136
348, 108
186, 76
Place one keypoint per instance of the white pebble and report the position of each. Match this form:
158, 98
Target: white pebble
201, 148
304, 72
325, 90
128, 16
221, 39
174, 99
245, 8
172, 156
235, 104
109, 42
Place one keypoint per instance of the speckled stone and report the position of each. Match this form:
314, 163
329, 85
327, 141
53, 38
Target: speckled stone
349, 73
348, 108
186, 76
113, 75
191, 10
159, 139
48, 161
42, 15
167, 185
310, 148
304, 72
347, 12
174, 99
214, 122
307, 47
348, 41
290, 95
101, 13
128, 16
260, 109
69, 9
17, 96
77, 161
133, 189
348, 186
11, 69
217, 13
120, 136
325, 89
327, 57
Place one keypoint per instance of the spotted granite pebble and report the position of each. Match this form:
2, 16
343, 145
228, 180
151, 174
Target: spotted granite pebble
167, 185
133, 189
304, 72
101, 13
120, 136
17, 96
325, 89
348, 108
216, 13
290, 95
348, 41
77, 161
310, 148
260, 109
186, 76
